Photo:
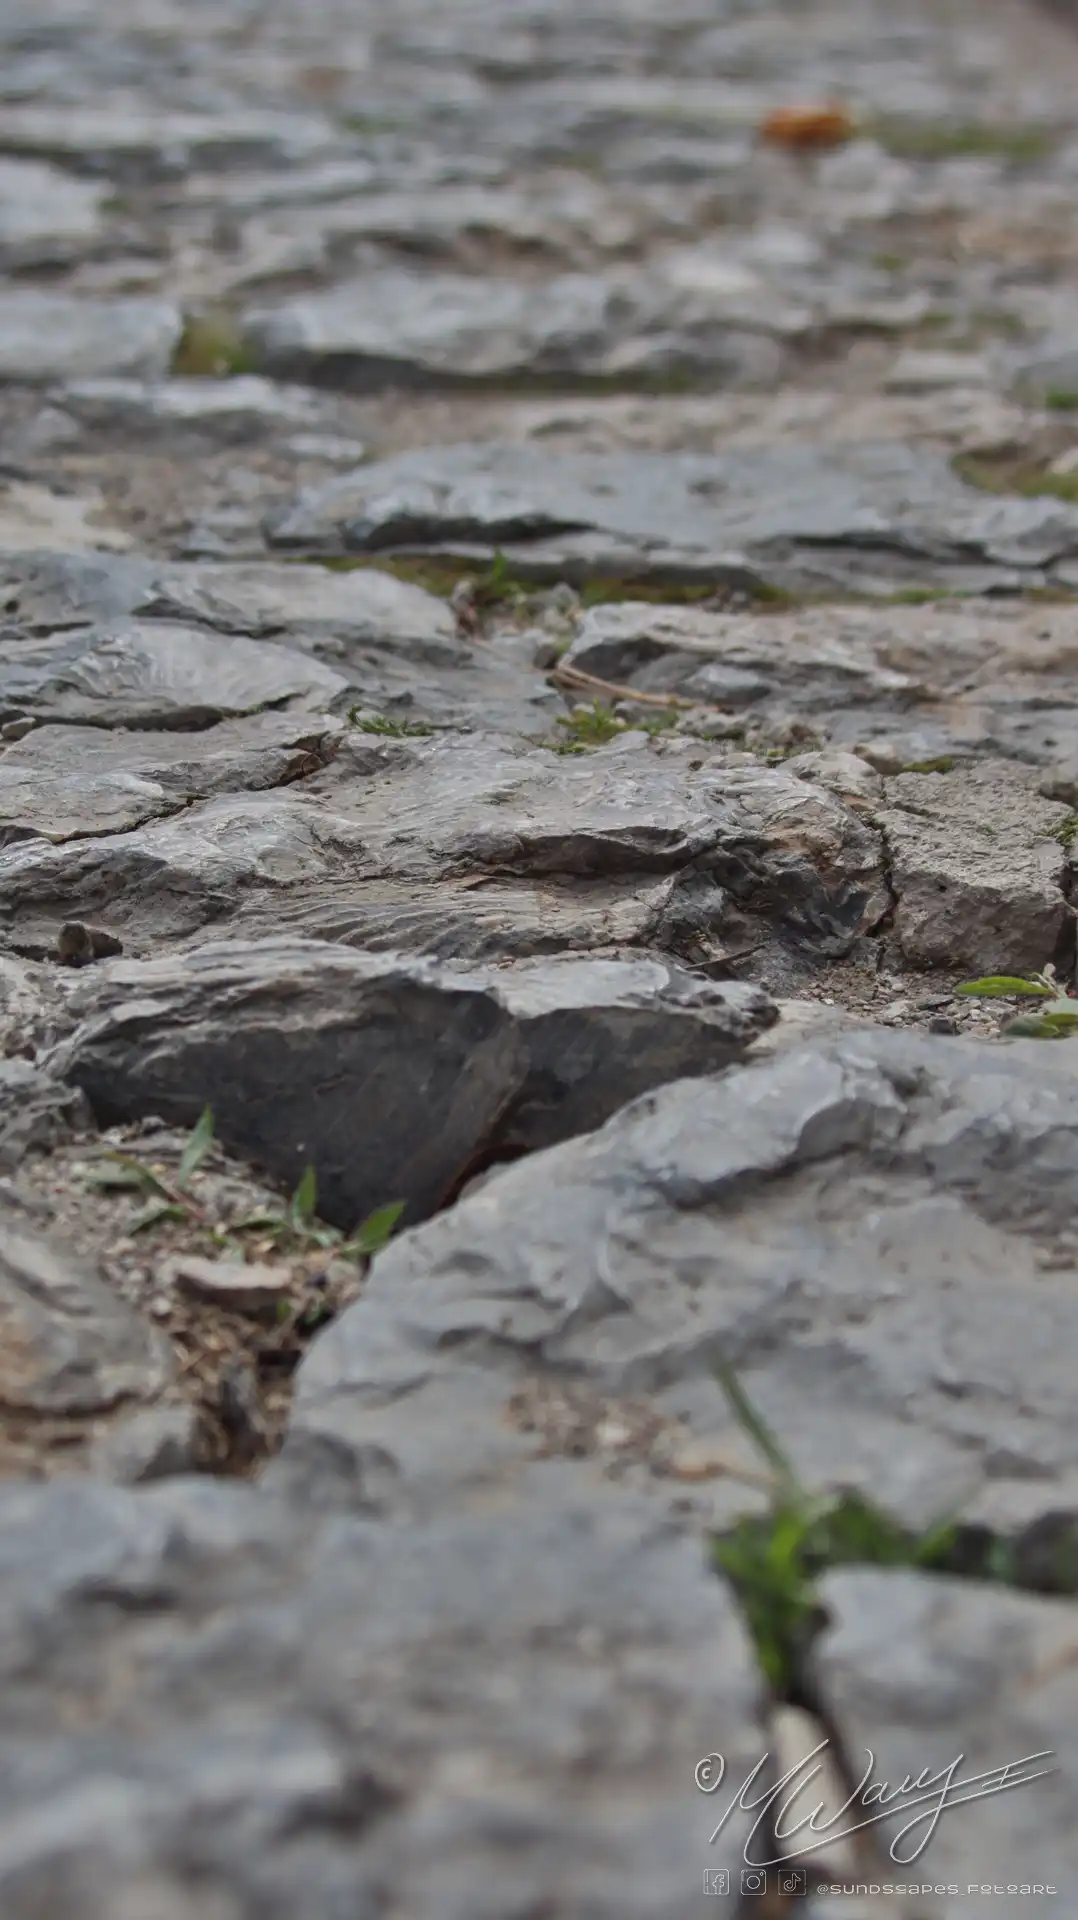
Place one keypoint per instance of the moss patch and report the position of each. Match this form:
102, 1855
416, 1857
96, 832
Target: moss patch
968, 140
1002, 474
211, 348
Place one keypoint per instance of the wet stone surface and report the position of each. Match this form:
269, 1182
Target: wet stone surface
538, 649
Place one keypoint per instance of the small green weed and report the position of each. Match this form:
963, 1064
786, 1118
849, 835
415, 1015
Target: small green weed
943, 763
1024, 477
969, 140
1057, 1018
1061, 399
774, 1560
297, 1224
392, 729
171, 1200
588, 727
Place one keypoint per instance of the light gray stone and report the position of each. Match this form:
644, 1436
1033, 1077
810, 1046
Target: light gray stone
118, 137
738, 661
70, 782
393, 326
872, 516
858, 1226
395, 646
155, 675
35, 517
154, 1444
268, 601
402, 326
320, 1714
46, 217
391, 1077
46, 337
45, 591
224, 411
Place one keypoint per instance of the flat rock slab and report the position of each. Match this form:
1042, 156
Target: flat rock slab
46, 217
858, 1226
118, 138
51, 336
393, 327
226, 411
69, 1346
392, 1077
307, 605
740, 662
314, 607
871, 517
64, 783
159, 675
918, 1671
906, 684
483, 1717
388, 648
665, 842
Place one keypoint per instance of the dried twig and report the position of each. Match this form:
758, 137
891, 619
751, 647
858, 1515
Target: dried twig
575, 677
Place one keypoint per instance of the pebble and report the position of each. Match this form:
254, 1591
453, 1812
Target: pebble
229, 1283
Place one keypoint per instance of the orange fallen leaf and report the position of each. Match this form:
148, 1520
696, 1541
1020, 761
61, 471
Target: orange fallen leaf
826, 126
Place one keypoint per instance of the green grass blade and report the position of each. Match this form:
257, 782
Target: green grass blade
760, 1433
304, 1201
374, 1232
1004, 986
198, 1145
138, 1174
155, 1214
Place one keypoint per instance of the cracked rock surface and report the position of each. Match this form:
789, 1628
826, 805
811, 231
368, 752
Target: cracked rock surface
538, 650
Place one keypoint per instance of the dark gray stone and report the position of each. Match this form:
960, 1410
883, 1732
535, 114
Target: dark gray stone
390, 1076
69, 1346
978, 869
484, 845
35, 1110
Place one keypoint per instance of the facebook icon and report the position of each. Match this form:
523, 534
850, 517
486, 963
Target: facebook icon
716, 1880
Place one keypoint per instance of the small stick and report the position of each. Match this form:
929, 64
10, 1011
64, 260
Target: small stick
575, 677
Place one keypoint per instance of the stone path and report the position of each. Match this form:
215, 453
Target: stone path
538, 647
